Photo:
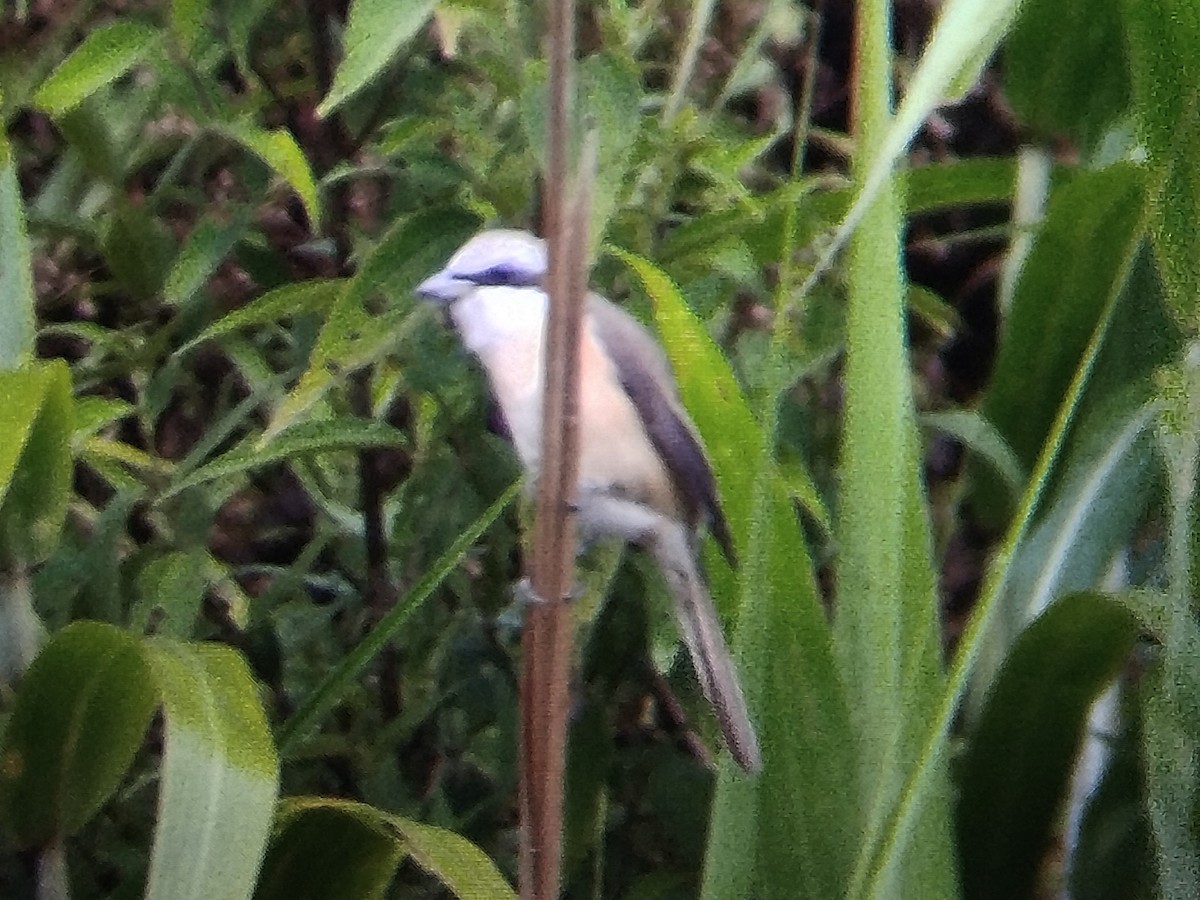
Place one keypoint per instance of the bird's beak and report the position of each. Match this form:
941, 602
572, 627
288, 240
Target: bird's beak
442, 288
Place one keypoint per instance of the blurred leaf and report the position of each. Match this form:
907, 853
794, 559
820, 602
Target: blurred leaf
137, 249
414, 248
320, 436
796, 823
171, 589
219, 775
1075, 262
957, 183
966, 34
104, 56
1164, 42
205, 250
937, 315
1019, 757
279, 150
36, 416
1113, 859
1079, 85
375, 32
284, 302
454, 861
1171, 732
608, 94
81, 712
188, 22
329, 848
325, 848
338, 682
16, 276
977, 434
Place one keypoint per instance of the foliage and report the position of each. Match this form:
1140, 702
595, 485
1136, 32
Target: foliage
256, 547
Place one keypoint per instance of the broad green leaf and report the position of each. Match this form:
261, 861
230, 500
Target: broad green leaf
16, 276
104, 56
279, 150
81, 711
219, 776
1077, 86
352, 337
206, 248
282, 303
887, 631
329, 848
1077, 256
797, 822
1019, 758
1164, 41
37, 418
375, 32
320, 436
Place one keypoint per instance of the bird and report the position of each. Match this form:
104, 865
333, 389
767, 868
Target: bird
643, 474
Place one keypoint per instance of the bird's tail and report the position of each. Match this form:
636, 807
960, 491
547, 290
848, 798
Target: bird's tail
701, 628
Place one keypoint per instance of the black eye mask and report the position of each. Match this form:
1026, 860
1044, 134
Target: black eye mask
503, 276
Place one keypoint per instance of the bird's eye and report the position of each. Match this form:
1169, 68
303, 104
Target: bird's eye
500, 275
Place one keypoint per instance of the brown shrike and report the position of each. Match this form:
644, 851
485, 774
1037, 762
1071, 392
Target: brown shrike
643, 475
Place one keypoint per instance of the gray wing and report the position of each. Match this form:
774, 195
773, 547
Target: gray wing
647, 380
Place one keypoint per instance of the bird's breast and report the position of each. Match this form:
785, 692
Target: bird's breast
505, 328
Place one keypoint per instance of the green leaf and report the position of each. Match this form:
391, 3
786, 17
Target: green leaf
320, 436
341, 679
1077, 86
375, 32
188, 21
329, 848
609, 94
219, 775
16, 275
352, 337
797, 823
137, 248
279, 150
205, 250
325, 848
82, 709
36, 415
104, 56
171, 589
457, 863
977, 434
1082, 246
1019, 758
282, 303
1164, 41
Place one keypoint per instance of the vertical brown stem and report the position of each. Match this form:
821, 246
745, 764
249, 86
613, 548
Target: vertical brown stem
547, 637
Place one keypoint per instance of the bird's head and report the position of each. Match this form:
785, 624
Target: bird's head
499, 257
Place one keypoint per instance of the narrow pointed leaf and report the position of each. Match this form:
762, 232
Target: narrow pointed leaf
104, 56
375, 32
